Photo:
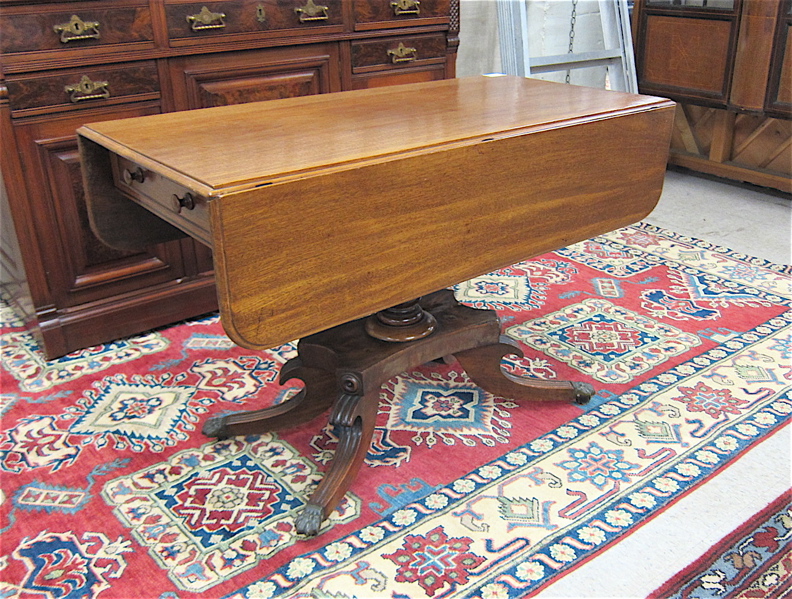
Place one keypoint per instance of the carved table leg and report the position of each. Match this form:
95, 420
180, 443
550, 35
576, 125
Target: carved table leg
354, 417
482, 365
307, 404
349, 362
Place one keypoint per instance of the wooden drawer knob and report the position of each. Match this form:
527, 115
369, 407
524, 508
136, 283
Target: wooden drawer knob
133, 175
186, 201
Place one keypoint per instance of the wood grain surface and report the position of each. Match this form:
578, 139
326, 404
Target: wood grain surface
329, 208
230, 147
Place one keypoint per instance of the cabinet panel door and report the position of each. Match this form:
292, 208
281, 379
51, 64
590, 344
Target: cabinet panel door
687, 58
254, 76
79, 268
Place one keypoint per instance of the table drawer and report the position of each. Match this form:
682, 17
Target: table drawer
375, 14
79, 88
233, 17
36, 29
396, 52
167, 199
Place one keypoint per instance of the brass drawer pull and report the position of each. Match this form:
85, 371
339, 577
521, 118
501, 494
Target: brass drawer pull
402, 54
187, 201
206, 19
77, 29
406, 7
134, 175
312, 12
87, 90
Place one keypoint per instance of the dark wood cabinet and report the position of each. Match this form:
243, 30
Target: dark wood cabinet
68, 63
728, 64
78, 284
779, 97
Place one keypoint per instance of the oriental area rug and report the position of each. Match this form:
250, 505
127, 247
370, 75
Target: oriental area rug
754, 562
110, 490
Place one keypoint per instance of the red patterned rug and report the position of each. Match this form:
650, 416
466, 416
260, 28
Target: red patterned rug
753, 562
110, 490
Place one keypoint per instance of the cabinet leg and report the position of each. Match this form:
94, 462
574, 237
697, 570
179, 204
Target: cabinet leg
482, 365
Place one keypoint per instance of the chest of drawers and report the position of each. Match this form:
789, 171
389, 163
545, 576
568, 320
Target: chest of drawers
68, 63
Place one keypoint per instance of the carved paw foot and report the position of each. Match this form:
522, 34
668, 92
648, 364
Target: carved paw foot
216, 427
583, 392
309, 520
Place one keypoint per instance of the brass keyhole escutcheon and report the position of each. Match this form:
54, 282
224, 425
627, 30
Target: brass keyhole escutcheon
406, 7
77, 29
86, 89
402, 54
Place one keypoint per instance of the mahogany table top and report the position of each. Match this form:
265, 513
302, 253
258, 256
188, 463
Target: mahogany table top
327, 208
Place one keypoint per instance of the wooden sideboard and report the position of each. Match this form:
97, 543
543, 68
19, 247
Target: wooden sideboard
728, 64
73, 62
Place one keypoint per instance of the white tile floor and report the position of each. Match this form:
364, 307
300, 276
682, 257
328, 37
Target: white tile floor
753, 220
